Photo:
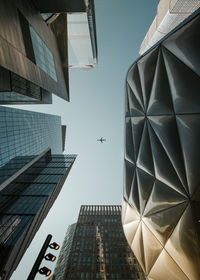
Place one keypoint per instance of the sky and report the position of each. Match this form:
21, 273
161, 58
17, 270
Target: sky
96, 109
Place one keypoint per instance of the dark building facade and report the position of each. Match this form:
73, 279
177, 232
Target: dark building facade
25, 201
99, 249
161, 190
32, 173
34, 48
61, 263
31, 68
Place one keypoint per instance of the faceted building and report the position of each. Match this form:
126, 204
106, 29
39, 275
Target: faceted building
32, 173
161, 209
96, 248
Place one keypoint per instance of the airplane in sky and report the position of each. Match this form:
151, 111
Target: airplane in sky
101, 139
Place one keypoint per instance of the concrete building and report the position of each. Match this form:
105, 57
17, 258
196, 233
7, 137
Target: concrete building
34, 48
97, 248
81, 29
31, 68
161, 209
170, 13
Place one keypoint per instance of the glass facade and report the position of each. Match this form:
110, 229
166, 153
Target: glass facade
64, 253
43, 56
25, 133
99, 249
25, 197
22, 90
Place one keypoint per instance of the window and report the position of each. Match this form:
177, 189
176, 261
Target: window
43, 56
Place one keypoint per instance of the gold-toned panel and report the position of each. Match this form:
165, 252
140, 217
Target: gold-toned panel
131, 215
124, 207
183, 246
152, 247
130, 230
138, 247
166, 268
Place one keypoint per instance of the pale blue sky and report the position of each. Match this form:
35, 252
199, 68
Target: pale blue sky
96, 109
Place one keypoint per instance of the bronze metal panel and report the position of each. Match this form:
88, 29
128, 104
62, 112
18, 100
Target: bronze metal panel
152, 247
182, 245
166, 268
138, 247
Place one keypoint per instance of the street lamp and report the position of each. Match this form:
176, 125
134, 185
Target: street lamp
45, 271
54, 246
49, 257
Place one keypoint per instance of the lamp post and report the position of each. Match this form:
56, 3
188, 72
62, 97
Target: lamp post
44, 270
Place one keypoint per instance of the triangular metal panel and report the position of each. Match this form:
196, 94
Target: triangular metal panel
144, 160
164, 169
184, 84
146, 67
129, 152
145, 185
134, 196
127, 108
131, 214
160, 101
165, 128
130, 231
152, 247
134, 106
162, 223
133, 79
138, 247
166, 268
129, 173
137, 129
189, 131
183, 246
185, 44
162, 197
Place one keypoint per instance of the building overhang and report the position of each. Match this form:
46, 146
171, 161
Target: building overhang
60, 6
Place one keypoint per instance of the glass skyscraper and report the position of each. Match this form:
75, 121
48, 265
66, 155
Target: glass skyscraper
32, 173
59, 271
99, 249
26, 134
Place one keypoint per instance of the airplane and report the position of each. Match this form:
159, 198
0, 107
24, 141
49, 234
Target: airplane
101, 139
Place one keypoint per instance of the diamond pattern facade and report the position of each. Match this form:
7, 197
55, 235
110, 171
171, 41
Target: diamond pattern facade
161, 208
